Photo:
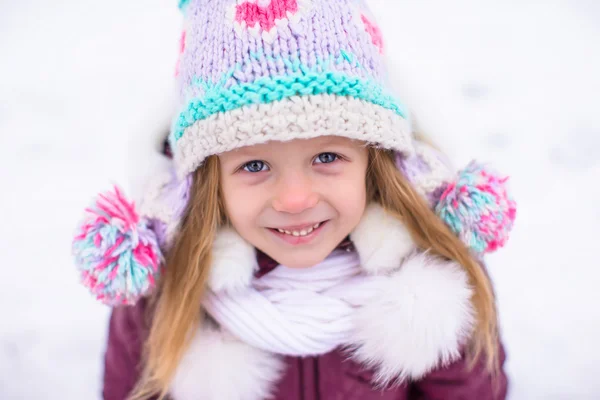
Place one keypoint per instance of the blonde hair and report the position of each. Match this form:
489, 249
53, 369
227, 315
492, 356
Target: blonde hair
387, 186
175, 307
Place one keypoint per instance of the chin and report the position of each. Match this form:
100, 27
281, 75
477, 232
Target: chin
304, 259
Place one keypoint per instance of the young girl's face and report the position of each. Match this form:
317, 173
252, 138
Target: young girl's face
296, 201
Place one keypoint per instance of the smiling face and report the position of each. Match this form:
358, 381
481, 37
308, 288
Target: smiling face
297, 200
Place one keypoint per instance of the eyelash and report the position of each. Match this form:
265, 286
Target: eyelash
335, 155
245, 166
264, 164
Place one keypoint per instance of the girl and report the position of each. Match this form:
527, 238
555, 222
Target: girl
295, 246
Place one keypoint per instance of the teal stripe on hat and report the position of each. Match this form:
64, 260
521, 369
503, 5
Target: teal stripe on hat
271, 89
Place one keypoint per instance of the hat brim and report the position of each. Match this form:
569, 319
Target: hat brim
296, 117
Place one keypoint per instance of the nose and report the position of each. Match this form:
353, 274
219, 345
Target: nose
295, 194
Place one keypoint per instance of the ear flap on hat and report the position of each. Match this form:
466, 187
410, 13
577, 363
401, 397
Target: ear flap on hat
164, 200
118, 247
161, 195
427, 169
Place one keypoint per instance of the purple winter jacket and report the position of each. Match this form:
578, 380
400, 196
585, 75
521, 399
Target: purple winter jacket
330, 376
327, 377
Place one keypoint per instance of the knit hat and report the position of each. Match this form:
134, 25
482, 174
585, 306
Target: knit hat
253, 71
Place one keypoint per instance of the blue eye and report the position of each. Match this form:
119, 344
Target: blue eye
326, 158
255, 166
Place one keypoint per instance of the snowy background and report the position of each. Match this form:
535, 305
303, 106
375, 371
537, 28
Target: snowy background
512, 83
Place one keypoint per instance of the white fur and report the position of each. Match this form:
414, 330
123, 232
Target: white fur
144, 145
382, 241
218, 366
234, 262
419, 320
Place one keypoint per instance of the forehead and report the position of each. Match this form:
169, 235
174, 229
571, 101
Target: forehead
297, 145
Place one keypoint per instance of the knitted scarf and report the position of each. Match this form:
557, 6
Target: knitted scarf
297, 312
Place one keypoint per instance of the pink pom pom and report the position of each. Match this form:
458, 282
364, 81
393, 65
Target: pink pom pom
116, 252
478, 208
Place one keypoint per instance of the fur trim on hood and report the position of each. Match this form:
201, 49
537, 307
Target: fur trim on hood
420, 320
218, 366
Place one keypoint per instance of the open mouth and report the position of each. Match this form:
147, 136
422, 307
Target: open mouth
299, 234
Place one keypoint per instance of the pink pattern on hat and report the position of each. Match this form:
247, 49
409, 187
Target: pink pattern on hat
181, 50
253, 13
374, 31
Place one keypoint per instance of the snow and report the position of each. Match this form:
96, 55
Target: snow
511, 83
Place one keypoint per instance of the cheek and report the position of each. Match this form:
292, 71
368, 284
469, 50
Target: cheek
242, 205
354, 205
356, 189
349, 199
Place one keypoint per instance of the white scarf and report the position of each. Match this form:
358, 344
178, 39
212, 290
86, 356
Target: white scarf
297, 312
399, 312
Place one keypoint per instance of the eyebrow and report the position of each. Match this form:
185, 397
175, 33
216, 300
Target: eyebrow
245, 152
238, 154
338, 141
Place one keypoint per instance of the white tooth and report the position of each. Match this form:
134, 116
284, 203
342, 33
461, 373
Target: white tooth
296, 233
315, 226
280, 230
309, 230
288, 232
302, 232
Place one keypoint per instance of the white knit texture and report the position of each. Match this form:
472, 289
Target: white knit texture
401, 324
297, 117
297, 312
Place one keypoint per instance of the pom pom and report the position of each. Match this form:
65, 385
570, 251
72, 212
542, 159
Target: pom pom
478, 209
115, 251
182, 4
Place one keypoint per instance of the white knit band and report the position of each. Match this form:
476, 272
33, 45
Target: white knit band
297, 117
